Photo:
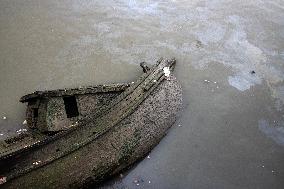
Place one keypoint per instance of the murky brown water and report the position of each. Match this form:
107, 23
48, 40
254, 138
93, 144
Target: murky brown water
231, 132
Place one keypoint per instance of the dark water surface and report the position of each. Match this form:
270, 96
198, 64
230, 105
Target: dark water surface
230, 55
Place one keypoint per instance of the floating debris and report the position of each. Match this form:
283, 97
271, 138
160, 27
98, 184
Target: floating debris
252, 72
149, 182
137, 181
198, 44
206, 81
155, 81
167, 71
148, 157
4, 117
25, 122
1, 134
132, 82
215, 82
179, 125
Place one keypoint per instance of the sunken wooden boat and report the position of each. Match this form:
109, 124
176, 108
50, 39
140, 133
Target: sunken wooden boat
79, 137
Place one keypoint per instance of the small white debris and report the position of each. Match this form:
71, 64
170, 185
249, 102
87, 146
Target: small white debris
272, 171
215, 82
179, 125
137, 184
155, 81
167, 71
3, 180
21, 131
263, 166
4, 117
36, 163
25, 122
148, 157
217, 87
1, 134
206, 81
135, 181
132, 82
149, 182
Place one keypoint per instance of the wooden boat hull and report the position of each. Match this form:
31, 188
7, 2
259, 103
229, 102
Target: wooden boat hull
129, 140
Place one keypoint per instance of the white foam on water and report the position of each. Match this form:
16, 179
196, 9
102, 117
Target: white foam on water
242, 82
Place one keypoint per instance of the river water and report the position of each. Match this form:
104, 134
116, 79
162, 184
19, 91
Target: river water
230, 133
